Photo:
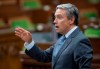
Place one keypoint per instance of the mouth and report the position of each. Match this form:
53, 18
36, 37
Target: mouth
56, 27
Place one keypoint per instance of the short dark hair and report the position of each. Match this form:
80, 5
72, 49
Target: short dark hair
72, 11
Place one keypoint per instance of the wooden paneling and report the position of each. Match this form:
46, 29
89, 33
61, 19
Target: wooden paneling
10, 45
96, 52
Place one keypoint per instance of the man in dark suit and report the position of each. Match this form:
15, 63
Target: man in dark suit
72, 50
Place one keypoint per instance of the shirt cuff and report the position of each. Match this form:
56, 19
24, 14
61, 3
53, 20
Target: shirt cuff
29, 46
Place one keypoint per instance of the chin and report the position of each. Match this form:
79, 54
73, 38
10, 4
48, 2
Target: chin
59, 32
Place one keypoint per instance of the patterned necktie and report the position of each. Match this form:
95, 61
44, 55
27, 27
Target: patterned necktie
58, 46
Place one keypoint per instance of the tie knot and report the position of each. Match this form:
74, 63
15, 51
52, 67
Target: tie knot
63, 38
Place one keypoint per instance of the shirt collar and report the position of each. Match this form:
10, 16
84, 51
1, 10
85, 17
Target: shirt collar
67, 34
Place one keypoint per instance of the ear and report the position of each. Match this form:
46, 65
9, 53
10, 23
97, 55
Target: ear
71, 21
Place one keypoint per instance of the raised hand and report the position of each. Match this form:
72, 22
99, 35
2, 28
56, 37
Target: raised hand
23, 34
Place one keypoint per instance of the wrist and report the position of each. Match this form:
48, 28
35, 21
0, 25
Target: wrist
29, 41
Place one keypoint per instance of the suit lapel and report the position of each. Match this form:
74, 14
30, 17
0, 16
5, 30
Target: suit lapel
67, 42
65, 45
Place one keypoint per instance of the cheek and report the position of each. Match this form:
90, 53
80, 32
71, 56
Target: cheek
63, 23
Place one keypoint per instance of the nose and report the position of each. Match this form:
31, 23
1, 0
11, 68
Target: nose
54, 22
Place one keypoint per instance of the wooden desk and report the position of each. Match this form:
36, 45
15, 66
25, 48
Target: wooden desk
10, 45
29, 63
96, 52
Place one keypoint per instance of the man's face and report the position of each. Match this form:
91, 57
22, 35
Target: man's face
62, 24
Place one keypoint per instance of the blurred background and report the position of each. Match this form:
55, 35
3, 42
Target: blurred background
36, 16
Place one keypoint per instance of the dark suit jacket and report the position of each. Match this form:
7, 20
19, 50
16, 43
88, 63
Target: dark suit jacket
76, 53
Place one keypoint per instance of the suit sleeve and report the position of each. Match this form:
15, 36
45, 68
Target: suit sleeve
40, 55
83, 54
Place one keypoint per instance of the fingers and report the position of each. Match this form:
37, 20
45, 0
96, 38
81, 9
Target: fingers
19, 31
23, 34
